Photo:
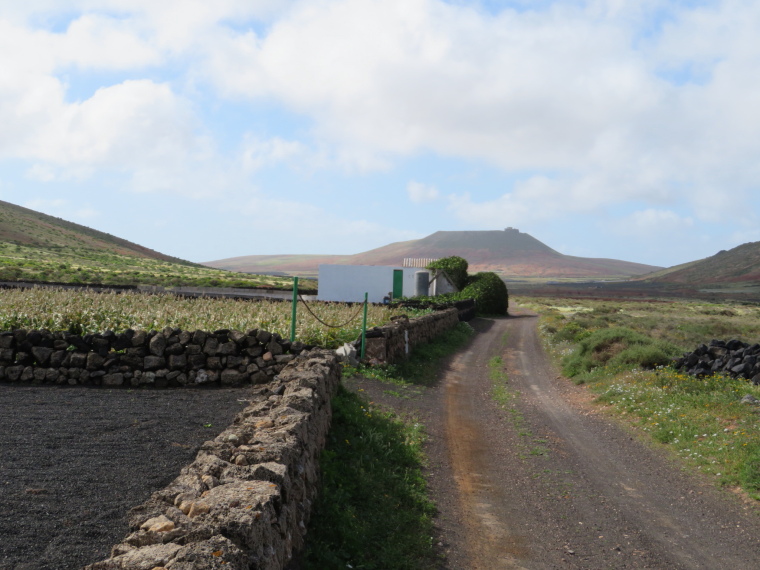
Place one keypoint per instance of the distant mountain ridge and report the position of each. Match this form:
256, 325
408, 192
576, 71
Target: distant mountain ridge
508, 252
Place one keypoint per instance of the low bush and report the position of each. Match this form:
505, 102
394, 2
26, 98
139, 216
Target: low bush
489, 291
617, 348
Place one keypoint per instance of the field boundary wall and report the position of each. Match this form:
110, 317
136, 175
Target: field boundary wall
136, 359
395, 341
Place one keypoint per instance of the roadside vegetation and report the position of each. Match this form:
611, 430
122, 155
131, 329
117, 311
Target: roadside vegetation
82, 265
373, 511
623, 350
83, 312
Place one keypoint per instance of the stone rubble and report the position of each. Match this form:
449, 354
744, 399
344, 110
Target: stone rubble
734, 358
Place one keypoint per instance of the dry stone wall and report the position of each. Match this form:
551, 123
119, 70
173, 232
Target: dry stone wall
393, 342
168, 358
245, 500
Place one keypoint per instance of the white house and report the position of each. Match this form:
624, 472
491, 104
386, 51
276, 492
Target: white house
348, 283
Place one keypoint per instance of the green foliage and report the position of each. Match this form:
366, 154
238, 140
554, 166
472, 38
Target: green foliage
487, 288
455, 267
373, 511
617, 348
489, 291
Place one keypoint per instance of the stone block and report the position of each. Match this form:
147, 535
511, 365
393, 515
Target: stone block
113, 379
177, 361
154, 362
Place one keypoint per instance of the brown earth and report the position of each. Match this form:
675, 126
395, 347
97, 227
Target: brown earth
550, 481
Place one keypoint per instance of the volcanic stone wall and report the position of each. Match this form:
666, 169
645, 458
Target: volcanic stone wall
169, 358
393, 342
245, 500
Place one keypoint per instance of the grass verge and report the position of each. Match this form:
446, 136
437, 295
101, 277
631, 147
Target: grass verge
702, 420
373, 511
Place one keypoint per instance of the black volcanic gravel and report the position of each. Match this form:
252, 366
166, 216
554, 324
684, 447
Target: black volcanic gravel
74, 460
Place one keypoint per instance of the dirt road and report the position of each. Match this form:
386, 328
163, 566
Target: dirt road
547, 481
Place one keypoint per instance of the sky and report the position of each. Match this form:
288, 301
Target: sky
626, 129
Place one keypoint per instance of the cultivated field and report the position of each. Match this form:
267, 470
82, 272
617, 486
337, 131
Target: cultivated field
81, 265
84, 312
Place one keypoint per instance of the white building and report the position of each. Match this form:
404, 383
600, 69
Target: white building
348, 283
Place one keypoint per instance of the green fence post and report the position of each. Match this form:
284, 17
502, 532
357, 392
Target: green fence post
364, 328
293, 312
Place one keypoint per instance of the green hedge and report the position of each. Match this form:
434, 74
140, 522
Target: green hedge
489, 291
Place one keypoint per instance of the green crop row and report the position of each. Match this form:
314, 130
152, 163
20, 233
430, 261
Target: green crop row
84, 312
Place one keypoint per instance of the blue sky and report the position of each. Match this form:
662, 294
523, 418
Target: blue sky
205, 130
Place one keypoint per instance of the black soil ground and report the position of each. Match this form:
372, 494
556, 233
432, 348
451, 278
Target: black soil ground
74, 460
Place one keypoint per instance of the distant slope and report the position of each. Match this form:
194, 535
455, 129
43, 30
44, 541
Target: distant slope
40, 248
738, 265
26, 227
277, 264
510, 253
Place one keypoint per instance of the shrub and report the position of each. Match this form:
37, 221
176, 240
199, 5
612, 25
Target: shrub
617, 347
489, 291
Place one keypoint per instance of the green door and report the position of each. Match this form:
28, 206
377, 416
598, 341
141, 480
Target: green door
398, 283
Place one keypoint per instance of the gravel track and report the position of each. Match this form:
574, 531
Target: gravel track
549, 480
74, 460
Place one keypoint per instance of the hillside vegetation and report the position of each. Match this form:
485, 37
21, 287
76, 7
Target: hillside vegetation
38, 247
736, 266
509, 253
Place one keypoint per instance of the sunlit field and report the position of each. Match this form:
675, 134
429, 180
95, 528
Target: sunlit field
84, 312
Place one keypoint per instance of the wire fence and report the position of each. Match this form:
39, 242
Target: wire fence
340, 326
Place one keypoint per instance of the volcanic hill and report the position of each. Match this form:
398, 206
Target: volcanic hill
739, 265
510, 253
25, 227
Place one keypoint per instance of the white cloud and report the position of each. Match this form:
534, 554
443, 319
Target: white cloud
258, 153
327, 232
651, 223
420, 193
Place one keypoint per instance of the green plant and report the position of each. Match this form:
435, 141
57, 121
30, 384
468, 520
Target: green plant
455, 267
618, 348
489, 291
373, 511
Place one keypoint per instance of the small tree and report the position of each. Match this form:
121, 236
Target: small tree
455, 267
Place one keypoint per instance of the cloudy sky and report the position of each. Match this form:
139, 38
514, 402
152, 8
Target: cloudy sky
605, 128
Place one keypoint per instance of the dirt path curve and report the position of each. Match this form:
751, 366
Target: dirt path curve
546, 481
